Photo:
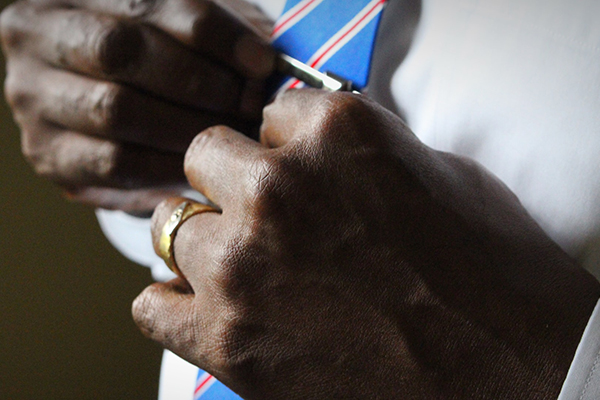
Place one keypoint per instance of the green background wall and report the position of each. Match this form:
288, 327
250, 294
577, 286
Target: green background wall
65, 294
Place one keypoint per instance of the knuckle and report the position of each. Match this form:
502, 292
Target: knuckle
202, 143
338, 106
205, 19
37, 151
198, 144
11, 21
108, 108
117, 47
29, 148
39, 157
142, 8
234, 271
270, 177
229, 261
107, 162
343, 119
43, 168
274, 185
60, 160
16, 97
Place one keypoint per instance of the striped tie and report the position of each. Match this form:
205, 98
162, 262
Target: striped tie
335, 36
209, 388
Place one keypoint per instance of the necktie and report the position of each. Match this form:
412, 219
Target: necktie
334, 36
209, 388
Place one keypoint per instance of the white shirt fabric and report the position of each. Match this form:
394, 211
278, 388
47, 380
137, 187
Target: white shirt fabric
583, 379
514, 84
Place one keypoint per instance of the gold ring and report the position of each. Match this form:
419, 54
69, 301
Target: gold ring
181, 214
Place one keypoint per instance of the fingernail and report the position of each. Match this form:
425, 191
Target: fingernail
257, 57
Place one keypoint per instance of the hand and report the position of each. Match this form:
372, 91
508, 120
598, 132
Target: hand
348, 251
110, 93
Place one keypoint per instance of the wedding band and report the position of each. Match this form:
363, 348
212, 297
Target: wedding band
181, 214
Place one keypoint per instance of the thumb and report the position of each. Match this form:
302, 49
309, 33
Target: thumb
163, 312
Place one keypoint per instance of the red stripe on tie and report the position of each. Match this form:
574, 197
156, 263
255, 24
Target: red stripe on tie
203, 383
283, 23
347, 33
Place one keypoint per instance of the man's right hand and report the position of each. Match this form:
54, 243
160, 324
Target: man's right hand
109, 93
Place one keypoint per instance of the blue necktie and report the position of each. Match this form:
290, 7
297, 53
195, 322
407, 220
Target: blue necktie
208, 388
334, 36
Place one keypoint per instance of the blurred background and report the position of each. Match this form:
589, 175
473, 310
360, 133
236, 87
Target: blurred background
65, 294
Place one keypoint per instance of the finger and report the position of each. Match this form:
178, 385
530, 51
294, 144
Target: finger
169, 313
209, 27
104, 47
139, 202
195, 244
221, 164
312, 112
293, 113
117, 112
74, 160
163, 309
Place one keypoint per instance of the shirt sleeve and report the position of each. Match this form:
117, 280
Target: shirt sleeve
272, 8
131, 236
583, 378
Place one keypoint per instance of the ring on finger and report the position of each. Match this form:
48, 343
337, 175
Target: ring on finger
182, 213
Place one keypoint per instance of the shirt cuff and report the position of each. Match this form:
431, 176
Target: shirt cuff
131, 236
583, 379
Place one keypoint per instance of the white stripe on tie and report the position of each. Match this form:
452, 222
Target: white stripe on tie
293, 16
339, 40
344, 35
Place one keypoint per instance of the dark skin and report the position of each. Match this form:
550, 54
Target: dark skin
343, 245
109, 94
